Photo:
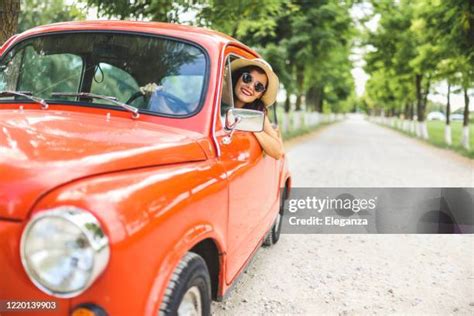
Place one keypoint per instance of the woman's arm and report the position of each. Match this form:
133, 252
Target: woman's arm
270, 140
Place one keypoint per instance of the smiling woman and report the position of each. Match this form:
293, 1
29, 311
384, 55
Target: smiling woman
255, 87
115, 65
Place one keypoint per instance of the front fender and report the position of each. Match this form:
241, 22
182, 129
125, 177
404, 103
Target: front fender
152, 216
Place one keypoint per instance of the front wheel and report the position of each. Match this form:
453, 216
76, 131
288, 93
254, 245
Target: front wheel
189, 290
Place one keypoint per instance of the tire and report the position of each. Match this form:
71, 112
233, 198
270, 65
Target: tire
189, 290
268, 241
273, 236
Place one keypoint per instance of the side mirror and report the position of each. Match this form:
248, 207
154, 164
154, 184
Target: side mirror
244, 120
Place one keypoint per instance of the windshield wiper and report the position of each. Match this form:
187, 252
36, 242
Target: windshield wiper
114, 100
27, 95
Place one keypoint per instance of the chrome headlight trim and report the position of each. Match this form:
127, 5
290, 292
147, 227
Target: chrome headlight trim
90, 228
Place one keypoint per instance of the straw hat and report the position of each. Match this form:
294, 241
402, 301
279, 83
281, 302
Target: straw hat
269, 97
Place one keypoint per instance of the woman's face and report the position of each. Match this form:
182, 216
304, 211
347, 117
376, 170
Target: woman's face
245, 92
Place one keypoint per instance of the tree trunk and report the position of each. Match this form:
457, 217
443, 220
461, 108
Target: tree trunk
406, 114
447, 128
425, 97
311, 99
466, 107
465, 127
320, 100
299, 87
9, 11
298, 102
448, 105
419, 103
421, 100
287, 102
411, 127
411, 113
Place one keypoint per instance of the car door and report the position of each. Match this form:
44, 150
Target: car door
277, 164
252, 182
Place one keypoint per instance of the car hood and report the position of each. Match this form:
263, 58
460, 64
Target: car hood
40, 150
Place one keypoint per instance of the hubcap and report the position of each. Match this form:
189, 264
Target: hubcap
191, 303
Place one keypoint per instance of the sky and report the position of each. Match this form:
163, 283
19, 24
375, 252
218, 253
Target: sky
358, 12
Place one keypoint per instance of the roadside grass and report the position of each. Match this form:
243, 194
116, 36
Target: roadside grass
436, 136
303, 131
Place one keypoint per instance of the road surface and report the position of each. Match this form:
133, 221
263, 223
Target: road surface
363, 274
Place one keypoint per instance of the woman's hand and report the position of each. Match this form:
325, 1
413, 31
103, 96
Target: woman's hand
270, 140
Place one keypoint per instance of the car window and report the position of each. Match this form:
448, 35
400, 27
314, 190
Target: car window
10, 71
163, 76
183, 86
227, 96
47, 73
113, 81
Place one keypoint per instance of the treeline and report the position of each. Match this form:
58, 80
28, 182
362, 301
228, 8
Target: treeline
308, 42
417, 44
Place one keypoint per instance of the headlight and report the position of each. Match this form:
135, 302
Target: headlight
63, 251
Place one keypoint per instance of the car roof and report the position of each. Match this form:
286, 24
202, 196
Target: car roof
196, 34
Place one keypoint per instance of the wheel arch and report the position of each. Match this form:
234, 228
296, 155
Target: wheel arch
206, 244
287, 187
209, 251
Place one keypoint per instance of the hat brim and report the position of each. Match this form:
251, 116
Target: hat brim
269, 97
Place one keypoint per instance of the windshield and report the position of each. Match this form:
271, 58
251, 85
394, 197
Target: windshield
156, 75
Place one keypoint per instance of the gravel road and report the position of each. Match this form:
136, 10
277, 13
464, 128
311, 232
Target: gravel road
363, 274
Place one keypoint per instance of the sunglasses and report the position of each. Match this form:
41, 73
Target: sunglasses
247, 78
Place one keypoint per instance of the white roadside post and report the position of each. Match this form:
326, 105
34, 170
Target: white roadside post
447, 135
413, 125
465, 137
424, 130
296, 120
285, 123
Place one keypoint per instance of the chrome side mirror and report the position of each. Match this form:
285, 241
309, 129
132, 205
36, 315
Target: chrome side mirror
242, 120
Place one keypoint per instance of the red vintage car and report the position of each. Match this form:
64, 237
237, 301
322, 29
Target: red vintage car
126, 188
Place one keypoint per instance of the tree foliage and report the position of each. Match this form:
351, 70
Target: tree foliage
417, 44
40, 12
307, 42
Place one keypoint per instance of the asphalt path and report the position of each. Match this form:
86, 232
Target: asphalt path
364, 274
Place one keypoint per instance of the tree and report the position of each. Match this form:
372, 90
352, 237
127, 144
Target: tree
458, 38
40, 12
155, 10
317, 38
307, 42
391, 86
9, 11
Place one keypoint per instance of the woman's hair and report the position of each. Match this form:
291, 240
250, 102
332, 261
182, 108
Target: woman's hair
257, 104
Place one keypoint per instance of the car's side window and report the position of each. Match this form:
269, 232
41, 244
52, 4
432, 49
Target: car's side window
227, 99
